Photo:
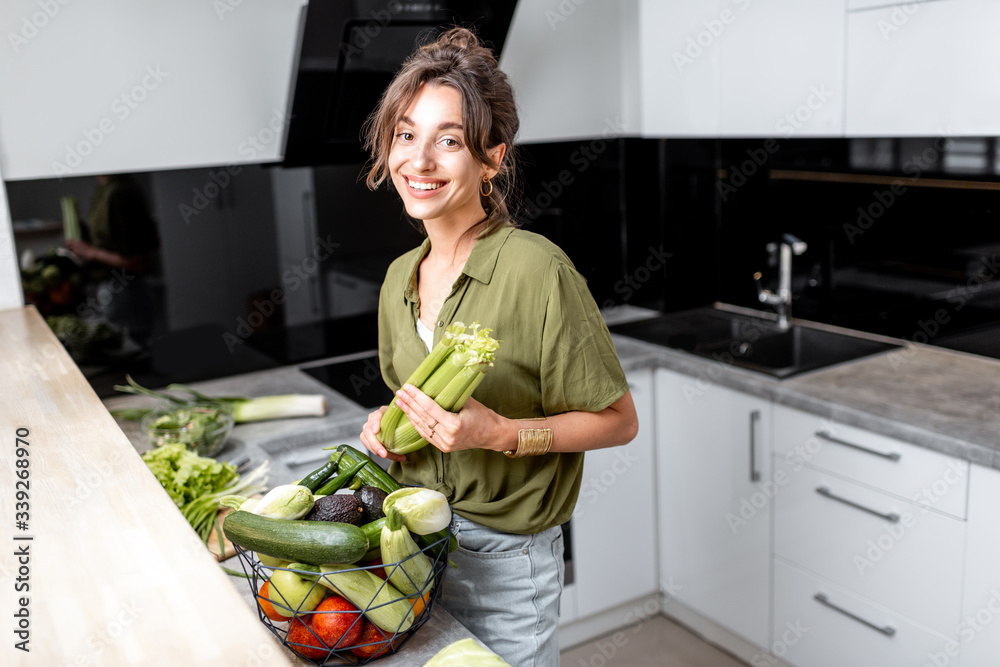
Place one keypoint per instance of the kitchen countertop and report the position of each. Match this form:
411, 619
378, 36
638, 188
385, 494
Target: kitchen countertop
943, 400
112, 573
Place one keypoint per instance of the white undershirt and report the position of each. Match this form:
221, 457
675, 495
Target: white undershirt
426, 335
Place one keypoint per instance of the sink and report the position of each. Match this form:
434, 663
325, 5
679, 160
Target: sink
754, 343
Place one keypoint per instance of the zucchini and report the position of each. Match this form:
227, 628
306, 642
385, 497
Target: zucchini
380, 601
313, 542
370, 475
373, 531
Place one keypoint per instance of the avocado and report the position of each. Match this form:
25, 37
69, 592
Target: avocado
339, 507
371, 498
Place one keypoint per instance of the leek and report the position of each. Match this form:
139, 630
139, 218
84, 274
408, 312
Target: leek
244, 409
449, 375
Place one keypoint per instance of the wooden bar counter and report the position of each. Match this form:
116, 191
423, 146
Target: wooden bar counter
103, 570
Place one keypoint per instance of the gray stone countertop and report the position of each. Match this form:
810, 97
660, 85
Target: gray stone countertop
932, 397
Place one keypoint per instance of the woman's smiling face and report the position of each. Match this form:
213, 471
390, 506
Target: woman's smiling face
430, 163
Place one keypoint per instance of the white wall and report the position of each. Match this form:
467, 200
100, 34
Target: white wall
111, 86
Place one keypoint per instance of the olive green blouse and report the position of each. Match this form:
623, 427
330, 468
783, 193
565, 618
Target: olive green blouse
555, 356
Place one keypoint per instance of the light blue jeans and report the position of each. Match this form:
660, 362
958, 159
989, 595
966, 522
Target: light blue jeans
506, 591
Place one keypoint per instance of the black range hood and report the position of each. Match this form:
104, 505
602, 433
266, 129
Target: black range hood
349, 52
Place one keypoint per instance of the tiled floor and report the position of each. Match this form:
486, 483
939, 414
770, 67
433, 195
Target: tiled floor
657, 642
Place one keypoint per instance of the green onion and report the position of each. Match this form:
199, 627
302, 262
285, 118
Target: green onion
449, 375
244, 409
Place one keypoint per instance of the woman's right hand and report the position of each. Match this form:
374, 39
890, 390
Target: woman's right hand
369, 436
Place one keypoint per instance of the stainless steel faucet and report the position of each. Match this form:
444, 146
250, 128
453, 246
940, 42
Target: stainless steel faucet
782, 299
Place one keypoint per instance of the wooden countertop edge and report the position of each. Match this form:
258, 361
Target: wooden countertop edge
115, 575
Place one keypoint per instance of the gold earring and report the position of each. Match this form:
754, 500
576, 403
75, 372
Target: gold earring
486, 180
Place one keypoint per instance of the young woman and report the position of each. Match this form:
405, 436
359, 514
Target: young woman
510, 462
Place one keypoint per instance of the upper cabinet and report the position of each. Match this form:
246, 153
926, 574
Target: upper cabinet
680, 66
741, 68
783, 69
924, 69
574, 69
117, 87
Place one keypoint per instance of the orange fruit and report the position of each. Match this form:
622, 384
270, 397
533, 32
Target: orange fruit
419, 602
302, 640
337, 622
263, 597
377, 642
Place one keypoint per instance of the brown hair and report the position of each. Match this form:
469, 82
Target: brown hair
489, 115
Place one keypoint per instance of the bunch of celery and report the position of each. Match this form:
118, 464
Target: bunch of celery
449, 375
244, 409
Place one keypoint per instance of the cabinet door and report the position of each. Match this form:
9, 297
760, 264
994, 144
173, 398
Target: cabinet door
680, 55
715, 516
924, 69
979, 633
783, 68
144, 85
614, 543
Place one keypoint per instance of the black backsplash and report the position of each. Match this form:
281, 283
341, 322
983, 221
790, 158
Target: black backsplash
898, 242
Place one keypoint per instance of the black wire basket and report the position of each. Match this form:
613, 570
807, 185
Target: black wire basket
356, 639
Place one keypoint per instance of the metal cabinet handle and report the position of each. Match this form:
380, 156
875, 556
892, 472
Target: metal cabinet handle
886, 630
892, 456
891, 517
754, 417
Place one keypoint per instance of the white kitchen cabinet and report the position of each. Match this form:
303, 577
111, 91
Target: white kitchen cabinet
782, 71
680, 67
713, 465
870, 543
979, 633
924, 69
817, 624
110, 87
614, 530
572, 65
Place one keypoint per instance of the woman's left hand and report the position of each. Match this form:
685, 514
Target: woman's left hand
474, 427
